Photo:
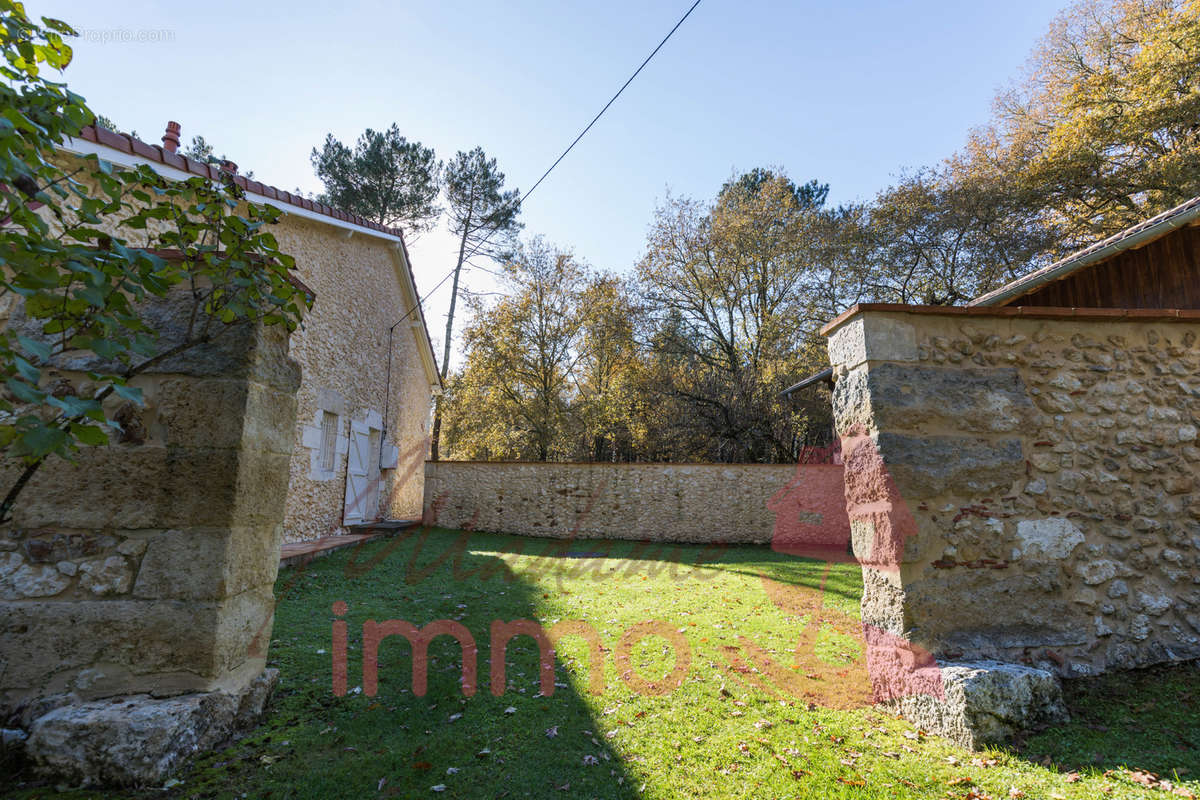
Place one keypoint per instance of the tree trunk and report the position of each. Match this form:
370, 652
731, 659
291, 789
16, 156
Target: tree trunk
435, 438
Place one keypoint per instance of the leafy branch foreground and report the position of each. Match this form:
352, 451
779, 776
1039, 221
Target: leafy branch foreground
88, 250
715, 736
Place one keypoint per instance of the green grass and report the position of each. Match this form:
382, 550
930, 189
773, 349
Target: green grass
728, 731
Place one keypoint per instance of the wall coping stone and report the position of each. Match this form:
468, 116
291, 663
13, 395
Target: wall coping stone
1026, 312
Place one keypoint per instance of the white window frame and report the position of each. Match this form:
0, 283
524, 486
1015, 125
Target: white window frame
329, 441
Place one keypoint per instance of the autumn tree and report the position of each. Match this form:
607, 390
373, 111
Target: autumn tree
731, 285
604, 374
384, 177
483, 215
945, 236
1104, 128
521, 353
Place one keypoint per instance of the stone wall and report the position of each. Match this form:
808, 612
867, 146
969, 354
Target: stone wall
728, 503
146, 569
344, 349
1023, 486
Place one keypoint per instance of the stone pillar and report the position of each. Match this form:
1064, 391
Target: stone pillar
900, 455
145, 570
1021, 488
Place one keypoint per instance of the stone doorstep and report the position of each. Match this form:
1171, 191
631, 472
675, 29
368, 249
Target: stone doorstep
986, 702
295, 553
139, 740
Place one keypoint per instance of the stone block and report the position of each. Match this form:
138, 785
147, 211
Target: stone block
1053, 538
222, 562
242, 633
852, 401
961, 603
872, 337
140, 740
884, 605
925, 466
152, 487
223, 413
104, 576
986, 702
19, 579
261, 490
928, 399
159, 646
132, 488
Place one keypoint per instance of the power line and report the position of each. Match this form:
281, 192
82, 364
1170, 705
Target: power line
564, 153
625, 85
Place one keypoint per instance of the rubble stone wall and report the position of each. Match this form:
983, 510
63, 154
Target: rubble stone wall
360, 366
703, 503
1024, 487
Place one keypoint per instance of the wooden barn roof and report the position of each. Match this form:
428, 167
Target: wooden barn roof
1137, 236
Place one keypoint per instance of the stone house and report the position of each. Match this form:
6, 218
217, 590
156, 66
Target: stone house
368, 370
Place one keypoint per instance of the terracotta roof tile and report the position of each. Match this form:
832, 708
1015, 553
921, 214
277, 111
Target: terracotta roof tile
140, 148
116, 141
127, 144
174, 160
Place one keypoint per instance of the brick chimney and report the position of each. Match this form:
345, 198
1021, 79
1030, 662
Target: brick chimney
170, 139
229, 166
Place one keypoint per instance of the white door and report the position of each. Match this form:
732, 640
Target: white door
358, 481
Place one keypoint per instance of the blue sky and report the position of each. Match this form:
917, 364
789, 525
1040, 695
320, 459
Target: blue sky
850, 93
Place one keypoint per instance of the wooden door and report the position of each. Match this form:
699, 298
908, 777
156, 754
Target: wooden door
358, 483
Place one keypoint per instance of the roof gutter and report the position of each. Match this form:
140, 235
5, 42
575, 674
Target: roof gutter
1151, 229
823, 375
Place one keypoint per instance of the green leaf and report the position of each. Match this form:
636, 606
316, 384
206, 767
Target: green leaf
89, 434
41, 440
27, 371
39, 349
25, 392
131, 393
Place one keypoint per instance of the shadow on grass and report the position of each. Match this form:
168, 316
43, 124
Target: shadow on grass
756, 561
1146, 719
396, 744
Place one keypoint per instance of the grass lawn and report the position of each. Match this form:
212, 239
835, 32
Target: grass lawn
751, 717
